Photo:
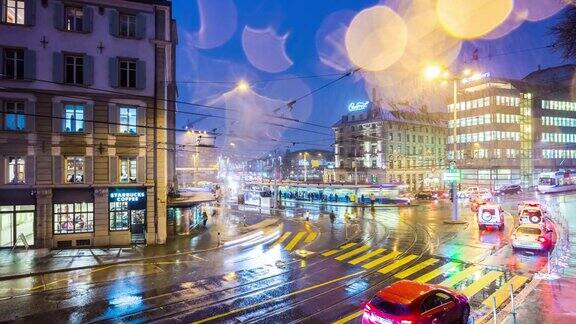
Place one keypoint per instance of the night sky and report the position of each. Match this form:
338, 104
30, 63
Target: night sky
223, 41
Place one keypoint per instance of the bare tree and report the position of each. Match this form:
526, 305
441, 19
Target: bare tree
564, 34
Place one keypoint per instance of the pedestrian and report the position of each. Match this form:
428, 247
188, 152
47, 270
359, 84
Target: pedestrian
204, 218
332, 217
244, 221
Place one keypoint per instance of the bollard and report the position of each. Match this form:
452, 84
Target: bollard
513, 307
494, 315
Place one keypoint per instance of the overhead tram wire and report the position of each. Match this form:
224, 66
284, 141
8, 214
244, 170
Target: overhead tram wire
259, 81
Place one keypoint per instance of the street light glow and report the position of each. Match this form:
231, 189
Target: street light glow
242, 86
432, 72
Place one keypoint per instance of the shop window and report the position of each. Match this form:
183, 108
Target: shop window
74, 167
74, 118
128, 120
128, 170
16, 222
74, 19
13, 11
16, 169
119, 216
13, 68
14, 118
73, 218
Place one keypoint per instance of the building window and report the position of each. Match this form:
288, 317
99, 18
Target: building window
73, 218
13, 11
74, 19
128, 74
128, 170
74, 167
14, 118
74, 69
74, 118
13, 64
127, 25
128, 120
119, 216
16, 167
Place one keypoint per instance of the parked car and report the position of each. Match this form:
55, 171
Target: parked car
426, 195
532, 237
506, 190
490, 215
408, 301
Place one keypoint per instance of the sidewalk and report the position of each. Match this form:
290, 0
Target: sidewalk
21, 263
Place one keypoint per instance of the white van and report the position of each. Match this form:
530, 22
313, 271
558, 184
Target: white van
490, 215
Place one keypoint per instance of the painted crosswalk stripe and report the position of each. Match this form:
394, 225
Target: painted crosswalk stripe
483, 282
448, 267
283, 238
416, 268
503, 293
311, 237
397, 264
290, 246
458, 277
348, 318
352, 253
342, 248
381, 260
366, 256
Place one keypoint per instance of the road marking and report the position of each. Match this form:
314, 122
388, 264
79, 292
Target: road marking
447, 268
290, 246
366, 256
397, 264
348, 318
311, 237
197, 257
352, 253
238, 310
475, 287
381, 260
282, 238
416, 268
503, 293
456, 278
342, 248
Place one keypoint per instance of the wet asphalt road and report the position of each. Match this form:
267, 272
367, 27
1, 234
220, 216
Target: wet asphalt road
312, 271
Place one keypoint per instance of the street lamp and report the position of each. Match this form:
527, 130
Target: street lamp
435, 72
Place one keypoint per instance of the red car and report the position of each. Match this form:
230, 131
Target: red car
410, 302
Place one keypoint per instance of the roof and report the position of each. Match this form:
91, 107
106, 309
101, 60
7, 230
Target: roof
404, 291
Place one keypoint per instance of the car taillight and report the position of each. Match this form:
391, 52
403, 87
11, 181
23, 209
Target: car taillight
541, 239
405, 322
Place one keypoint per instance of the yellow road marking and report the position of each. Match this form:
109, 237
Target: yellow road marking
290, 246
366, 256
282, 238
397, 264
352, 253
380, 260
416, 268
238, 310
348, 318
503, 293
311, 237
475, 287
456, 278
342, 248
448, 267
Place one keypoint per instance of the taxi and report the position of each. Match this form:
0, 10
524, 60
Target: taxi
490, 215
532, 237
531, 204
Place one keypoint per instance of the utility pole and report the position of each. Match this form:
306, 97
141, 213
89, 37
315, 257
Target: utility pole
455, 148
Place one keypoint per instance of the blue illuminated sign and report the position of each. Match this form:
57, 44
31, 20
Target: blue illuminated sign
357, 106
131, 195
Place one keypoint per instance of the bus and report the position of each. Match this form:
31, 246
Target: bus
558, 181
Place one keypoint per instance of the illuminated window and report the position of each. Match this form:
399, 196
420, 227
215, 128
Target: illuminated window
128, 120
13, 12
73, 218
128, 170
74, 19
74, 168
16, 167
14, 118
73, 118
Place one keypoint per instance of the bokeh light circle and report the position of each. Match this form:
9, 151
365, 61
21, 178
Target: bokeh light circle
469, 19
376, 38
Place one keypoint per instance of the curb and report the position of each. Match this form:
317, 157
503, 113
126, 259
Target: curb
58, 270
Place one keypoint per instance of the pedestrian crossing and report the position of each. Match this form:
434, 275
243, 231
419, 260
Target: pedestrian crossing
296, 239
483, 285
